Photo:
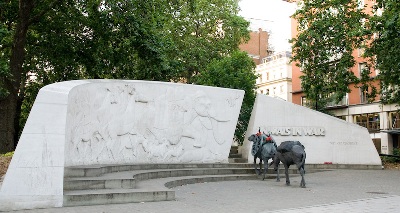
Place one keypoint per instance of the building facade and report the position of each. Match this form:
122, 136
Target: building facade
382, 121
257, 47
275, 76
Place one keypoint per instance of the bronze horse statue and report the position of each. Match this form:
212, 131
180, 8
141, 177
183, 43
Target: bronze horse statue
264, 148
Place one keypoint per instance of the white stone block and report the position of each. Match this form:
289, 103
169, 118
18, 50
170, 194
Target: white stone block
327, 139
46, 118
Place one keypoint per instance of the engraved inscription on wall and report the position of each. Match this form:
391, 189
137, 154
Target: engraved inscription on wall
296, 131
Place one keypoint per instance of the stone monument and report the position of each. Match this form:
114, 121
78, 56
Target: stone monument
91, 122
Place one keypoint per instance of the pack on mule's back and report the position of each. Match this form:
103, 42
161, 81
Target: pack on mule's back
286, 146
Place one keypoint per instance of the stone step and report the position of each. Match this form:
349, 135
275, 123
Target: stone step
98, 170
128, 179
115, 196
148, 191
235, 155
237, 160
234, 150
98, 183
172, 182
194, 180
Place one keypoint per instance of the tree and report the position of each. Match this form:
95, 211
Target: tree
385, 49
329, 31
43, 42
14, 27
236, 72
202, 31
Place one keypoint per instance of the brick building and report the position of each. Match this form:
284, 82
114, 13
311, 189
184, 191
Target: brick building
257, 46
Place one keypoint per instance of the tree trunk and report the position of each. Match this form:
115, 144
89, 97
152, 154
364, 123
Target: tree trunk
8, 105
7, 111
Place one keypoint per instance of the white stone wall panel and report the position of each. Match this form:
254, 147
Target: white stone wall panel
341, 143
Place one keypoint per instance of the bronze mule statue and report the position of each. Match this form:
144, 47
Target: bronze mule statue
290, 153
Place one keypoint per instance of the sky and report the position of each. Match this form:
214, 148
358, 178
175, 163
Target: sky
272, 16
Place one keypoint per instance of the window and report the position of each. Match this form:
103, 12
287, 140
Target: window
304, 101
360, 120
373, 121
281, 88
267, 91
267, 76
376, 72
343, 117
332, 100
361, 67
361, 52
368, 120
360, 4
394, 120
363, 95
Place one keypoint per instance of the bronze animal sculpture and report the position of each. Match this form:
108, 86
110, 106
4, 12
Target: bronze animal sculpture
264, 148
290, 153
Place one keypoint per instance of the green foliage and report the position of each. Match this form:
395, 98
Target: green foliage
329, 31
7, 15
131, 39
8, 154
203, 30
236, 72
386, 49
390, 159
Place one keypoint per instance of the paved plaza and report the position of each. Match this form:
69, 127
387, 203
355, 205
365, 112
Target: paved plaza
329, 191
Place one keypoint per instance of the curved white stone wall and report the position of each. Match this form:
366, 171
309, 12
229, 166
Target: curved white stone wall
327, 139
89, 122
150, 122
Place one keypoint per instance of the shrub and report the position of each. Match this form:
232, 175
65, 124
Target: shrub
390, 159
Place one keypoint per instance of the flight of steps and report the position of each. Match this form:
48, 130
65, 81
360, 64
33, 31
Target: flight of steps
110, 184
235, 157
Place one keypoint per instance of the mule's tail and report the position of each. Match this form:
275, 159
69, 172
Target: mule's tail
303, 161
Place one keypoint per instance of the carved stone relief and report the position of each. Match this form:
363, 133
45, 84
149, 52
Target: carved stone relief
126, 122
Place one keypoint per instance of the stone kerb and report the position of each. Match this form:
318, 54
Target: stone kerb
327, 139
90, 122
